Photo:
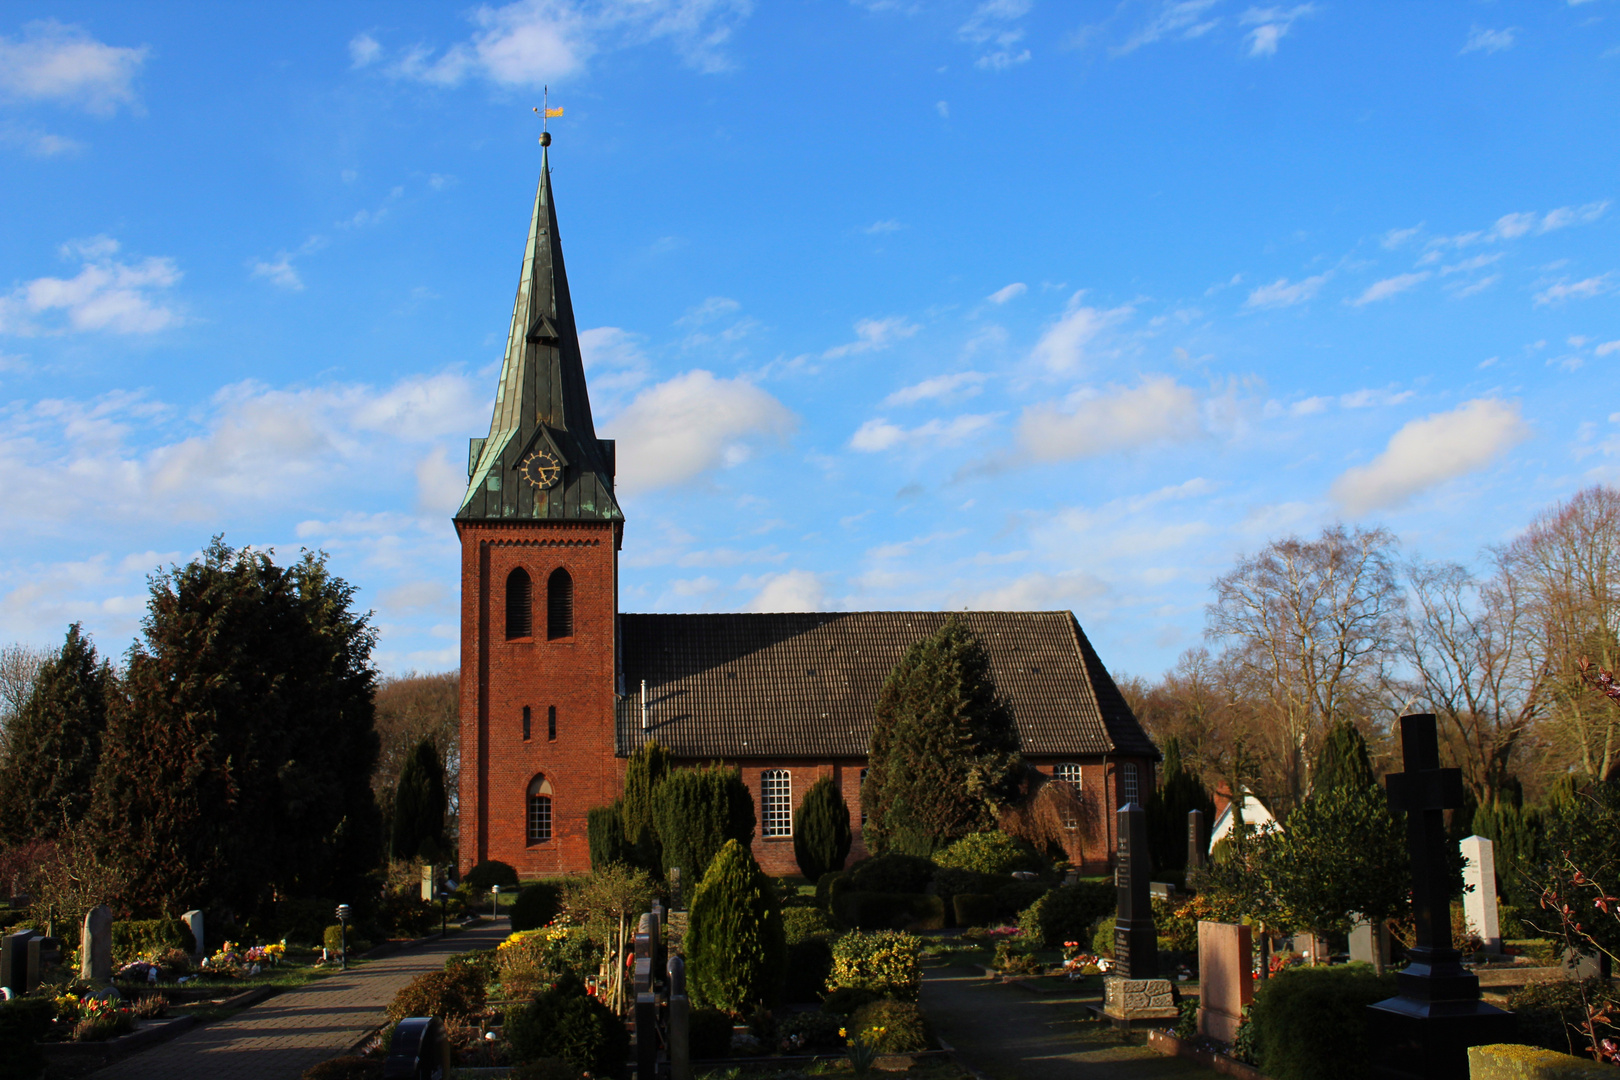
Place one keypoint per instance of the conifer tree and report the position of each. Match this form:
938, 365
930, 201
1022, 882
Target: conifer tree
1178, 794
735, 946
944, 753
696, 811
1343, 761
821, 835
236, 765
642, 774
604, 831
55, 742
418, 830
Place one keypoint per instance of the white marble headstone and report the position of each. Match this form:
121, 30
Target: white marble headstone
1479, 900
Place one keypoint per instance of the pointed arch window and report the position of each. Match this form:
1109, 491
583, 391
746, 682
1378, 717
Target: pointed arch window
539, 810
519, 605
560, 604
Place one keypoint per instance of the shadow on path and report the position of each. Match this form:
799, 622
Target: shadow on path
1009, 1033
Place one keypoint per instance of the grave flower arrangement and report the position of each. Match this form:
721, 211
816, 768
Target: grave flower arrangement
89, 1018
235, 962
1078, 964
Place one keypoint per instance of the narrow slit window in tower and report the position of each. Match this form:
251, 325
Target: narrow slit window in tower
560, 604
525, 723
551, 722
519, 605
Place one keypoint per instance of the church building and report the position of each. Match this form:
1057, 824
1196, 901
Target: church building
559, 687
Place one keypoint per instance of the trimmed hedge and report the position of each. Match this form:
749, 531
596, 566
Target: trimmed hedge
535, 906
1066, 913
604, 831
565, 1022
696, 812
973, 909
735, 945
889, 911
992, 852
1299, 1011
884, 962
803, 923
489, 873
893, 1027
132, 938
893, 873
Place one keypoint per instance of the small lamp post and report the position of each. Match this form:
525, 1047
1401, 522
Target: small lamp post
343, 936
495, 904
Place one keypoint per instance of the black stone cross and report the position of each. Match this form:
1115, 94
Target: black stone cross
1425, 791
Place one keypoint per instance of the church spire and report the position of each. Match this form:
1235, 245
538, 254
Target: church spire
542, 458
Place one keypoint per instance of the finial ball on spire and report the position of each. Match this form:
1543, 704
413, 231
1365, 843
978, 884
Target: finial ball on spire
545, 138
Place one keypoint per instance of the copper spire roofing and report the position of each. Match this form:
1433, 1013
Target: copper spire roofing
542, 412
804, 685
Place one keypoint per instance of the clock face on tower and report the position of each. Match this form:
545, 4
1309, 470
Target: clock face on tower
542, 469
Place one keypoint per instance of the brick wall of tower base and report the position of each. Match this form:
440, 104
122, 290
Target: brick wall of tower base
574, 675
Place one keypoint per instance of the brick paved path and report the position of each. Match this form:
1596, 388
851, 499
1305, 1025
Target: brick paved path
281, 1037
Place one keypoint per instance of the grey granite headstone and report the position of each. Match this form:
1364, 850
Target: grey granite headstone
1369, 942
95, 945
194, 922
14, 960
680, 1022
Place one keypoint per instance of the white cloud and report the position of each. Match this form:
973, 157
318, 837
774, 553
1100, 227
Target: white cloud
1270, 25
712, 308
1064, 345
1184, 19
1008, 292
877, 228
793, 590
991, 28
1478, 262
613, 358
533, 42
1383, 290
1607, 347
943, 108
1092, 424
1283, 293
1484, 40
878, 434
1396, 237
677, 430
1428, 452
1036, 592
106, 294
1513, 226
961, 384
65, 65
364, 50
1575, 290
440, 484
873, 334
1477, 287
37, 143
281, 272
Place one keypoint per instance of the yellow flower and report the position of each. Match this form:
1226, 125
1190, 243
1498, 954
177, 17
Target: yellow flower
842, 1034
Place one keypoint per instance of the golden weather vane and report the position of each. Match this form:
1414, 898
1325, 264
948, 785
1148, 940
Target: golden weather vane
546, 112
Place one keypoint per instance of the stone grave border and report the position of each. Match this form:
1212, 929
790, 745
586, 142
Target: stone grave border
155, 1033
1170, 1046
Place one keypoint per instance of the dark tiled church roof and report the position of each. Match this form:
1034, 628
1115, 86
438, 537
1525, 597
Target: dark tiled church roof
804, 685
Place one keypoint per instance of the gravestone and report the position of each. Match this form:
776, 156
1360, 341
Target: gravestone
419, 1051
1479, 899
14, 960
1225, 978
429, 880
1133, 992
1197, 848
1369, 942
95, 945
646, 1035
1581, 966
1425, 1031
680, 1022
194, 922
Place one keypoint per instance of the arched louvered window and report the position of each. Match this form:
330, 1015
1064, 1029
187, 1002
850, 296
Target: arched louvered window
519, 604
560, 604
539, 810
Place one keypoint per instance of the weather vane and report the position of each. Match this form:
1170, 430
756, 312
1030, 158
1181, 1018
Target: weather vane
546, 112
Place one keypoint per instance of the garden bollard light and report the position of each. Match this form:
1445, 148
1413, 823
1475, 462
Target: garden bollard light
343, 936
495, 904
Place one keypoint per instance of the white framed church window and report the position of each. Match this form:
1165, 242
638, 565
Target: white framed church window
539, 810
1069, 773
863, 800
776, 793
1128, 787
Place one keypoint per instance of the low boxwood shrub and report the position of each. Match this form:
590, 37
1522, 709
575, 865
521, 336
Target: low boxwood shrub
1102, 938
825, 885
809, 962
489, 873
973, 909
888, 911
565, 1022
802, 923
893, 1027
892, 873
134, 938
535, 906
992, 852
846, 999
1066, 913
334, 938
809, 1033
1300, 1010
710, 1034
884, 962
456, 993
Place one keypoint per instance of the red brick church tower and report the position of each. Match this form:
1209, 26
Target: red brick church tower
540, 534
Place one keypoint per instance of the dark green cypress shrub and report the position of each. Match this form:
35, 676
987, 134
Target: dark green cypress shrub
1343, 761
489, 873
419, 806
1066, 914
696, 811
535, 906
944, 753
736, 948
642, 775
1179, 792
604, 829
821, 835
1301, 1010
565, 1022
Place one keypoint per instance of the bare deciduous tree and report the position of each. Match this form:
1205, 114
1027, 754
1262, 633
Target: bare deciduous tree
411, 708
1309, 627
1468, 647
19, 667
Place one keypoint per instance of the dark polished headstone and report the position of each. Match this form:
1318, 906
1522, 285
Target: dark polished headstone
419, 1051
14, 969
1425, 1031
1196, 840
1136, 939
647, 1040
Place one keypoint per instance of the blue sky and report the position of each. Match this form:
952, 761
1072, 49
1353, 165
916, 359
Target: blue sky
1008, 304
